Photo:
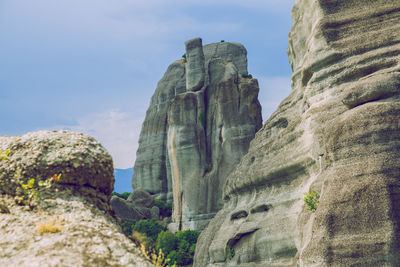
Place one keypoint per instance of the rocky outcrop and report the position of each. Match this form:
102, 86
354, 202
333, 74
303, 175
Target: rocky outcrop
337, 133
138, 206
66, 222
199, 124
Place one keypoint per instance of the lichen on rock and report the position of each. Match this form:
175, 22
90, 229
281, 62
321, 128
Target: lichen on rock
71, 223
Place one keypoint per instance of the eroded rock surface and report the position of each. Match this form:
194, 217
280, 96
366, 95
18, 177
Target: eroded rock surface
39, 155
338, 133
70, 224
199, 124
138, 206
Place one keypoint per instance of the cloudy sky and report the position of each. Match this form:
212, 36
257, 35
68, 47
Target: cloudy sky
92, 65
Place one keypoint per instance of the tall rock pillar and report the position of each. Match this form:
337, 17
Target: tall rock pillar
202, 130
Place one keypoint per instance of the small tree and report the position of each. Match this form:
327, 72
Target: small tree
167, 242
311, 200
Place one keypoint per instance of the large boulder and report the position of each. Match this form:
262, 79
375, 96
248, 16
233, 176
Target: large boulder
138, 206
70, 223
337, 133
79, 158
200, 122
141, 197
126, 211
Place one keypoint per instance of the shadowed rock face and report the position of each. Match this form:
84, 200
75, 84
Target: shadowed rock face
200, 122
337, 133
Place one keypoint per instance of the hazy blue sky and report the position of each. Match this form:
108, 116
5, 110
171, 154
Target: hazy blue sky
92, 65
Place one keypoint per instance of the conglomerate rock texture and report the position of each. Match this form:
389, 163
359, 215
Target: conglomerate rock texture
200, 122
338, 133
69, 223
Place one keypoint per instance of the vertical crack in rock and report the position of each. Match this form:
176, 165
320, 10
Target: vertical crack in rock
337, 133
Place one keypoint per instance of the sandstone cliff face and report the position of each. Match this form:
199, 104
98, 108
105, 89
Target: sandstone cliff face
337, 133
199, 124
76, 208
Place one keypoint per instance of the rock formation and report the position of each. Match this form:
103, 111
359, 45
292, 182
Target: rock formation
139, 206
338, 133
68, 223
200, 122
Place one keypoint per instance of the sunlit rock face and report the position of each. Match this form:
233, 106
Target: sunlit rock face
69, 222
336, 133
200, 122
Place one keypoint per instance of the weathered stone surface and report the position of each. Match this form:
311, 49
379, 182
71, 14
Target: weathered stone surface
79, 158
155, 212
337, 133
126, 211
205, 131
151, 170
195, 68
70, 224
141, 197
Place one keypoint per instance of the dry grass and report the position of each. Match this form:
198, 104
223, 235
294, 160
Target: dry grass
52, 225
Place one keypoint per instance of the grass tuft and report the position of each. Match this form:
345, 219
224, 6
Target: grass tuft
50, 226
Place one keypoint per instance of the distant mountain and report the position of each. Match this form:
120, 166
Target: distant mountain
123, 180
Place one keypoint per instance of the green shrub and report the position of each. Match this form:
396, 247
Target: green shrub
4, 155
124, 195
31, 190
188, 235
179, 248
165, 207
230, 253
185, 249
311, 200
173, 257
167, 242
150, 228
128, 227
248, 76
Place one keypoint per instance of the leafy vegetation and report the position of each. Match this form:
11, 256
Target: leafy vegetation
230, 253
31, 189
175, 249
4, 155
311, 200
184, 58
124, 195
247, 76
127, 226
151, 228
165, 207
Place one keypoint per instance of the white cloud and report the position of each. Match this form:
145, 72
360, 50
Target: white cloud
117, 131
273, 90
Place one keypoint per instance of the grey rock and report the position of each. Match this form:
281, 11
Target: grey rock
337, 133
126, 211
4, 208
155, 212
203, 132
195, 69
70, 224
151, 170
142, 198
79, 158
